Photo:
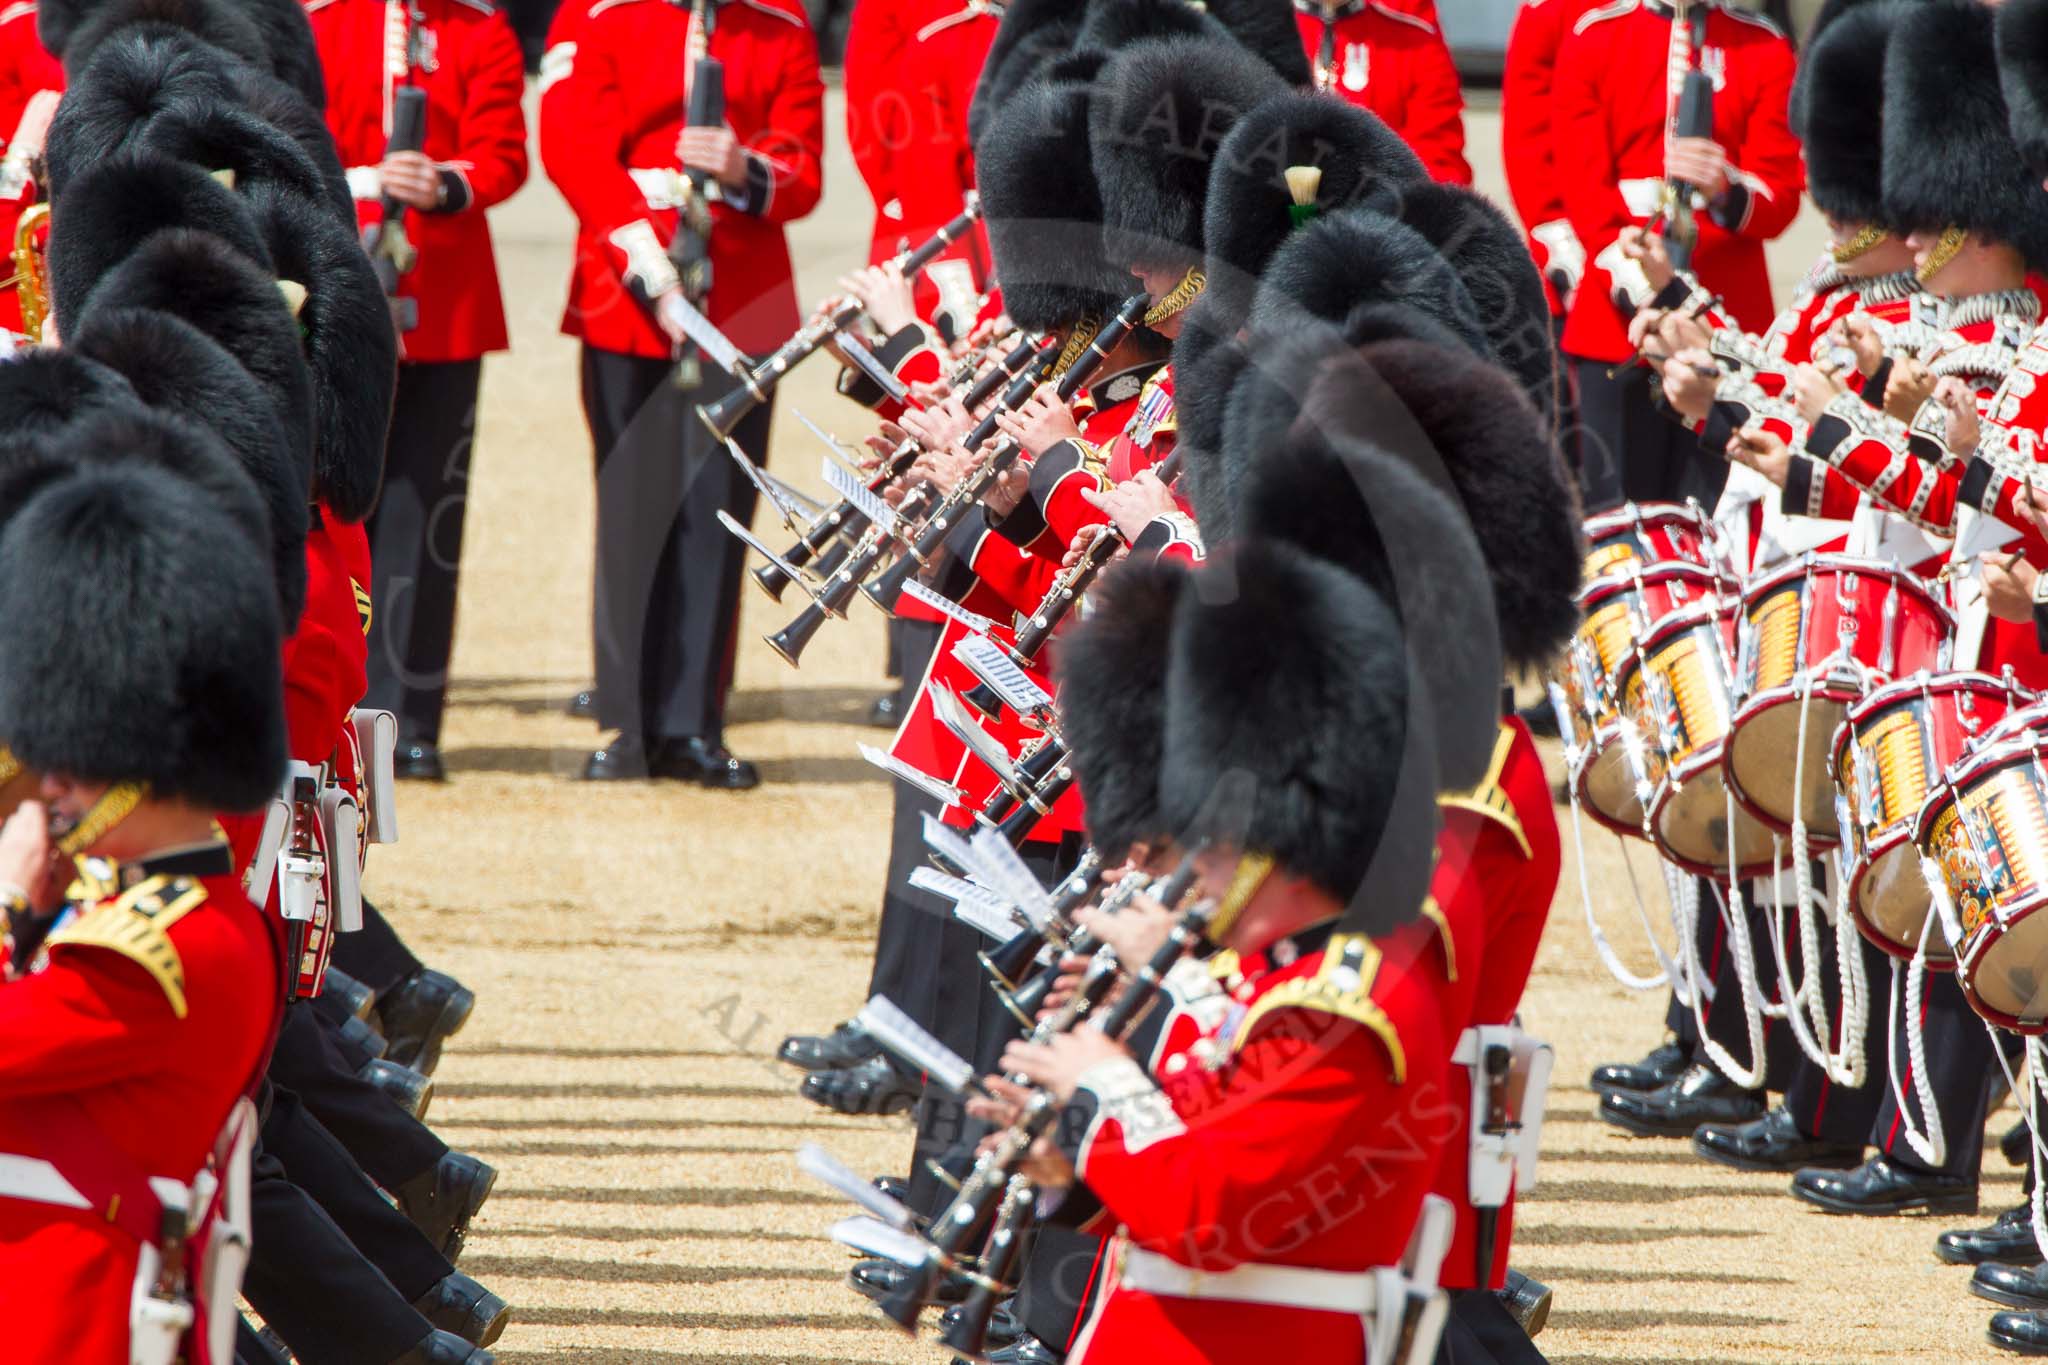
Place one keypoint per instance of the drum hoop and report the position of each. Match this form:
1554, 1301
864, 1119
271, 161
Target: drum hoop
1598, 590
1763, 585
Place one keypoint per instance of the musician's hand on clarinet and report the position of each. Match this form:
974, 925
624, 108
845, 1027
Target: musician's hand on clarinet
1647, 249
668, 314
1908, 386
1011, 487
886, 295
939, 425
925, 393
1136, 932
1058, 1065
2008, 586
1959, 403
715, 151
1071, 969
1002, 1106
1763, 452
411, 179
1045, 1165
1688, 390
27, 860
944, 468
1040, 422
1681, 331
883, 444
1133, 504
1813, 388
1084, 538
1859, 334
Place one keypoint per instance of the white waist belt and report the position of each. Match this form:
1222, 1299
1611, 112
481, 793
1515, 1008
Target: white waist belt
365, 182
1282, 1286
1643, 197
38, 1182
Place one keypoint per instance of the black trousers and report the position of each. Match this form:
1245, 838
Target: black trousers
906, 951
667, 591
323, 1168
389, 1144
1961, 1067
1481, 1331
1820, 1107
1630, 450
374, 954
416, 543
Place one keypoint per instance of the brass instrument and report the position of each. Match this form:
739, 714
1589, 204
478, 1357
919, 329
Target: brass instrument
759, 381
31, 277
919, 550
841, 519
838, 590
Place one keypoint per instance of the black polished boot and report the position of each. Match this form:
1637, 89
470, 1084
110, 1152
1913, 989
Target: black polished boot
2026, 1333
1003, 1326
1882, 1187
875, 1086
845, 1046
1676, 1109
355, 998
2015, 1286
421, 1013
583, 706
1025, 1350
460, 1305
406, 1088
418, 760
445, 1348
623, 758
703, 763
878, 1279
1772, 1143
441, 1201
884, 714
1664, 1065
1527, 1300
2009, 1239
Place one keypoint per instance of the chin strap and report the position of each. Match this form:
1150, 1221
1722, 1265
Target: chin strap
1251, 874
116, 804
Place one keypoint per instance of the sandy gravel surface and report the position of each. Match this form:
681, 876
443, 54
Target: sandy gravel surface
639, 952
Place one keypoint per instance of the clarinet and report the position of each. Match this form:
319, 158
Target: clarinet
841, 517
838, 590
952, 1229
1027, 1000
1008, 962
759, 381
888, 588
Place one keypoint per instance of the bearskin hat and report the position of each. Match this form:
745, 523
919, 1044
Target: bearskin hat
176, 368
350, 345
45, 388
1267, 28
282, 108
1348, 268
113, 207
1490, 258
1031, 33
1247, 215
136, 76
223, 137
1112, 688
1291, 730
143, 641
1161, 109
2022, 34
1328, 485
1837, 108
237, 304
1949, 159
1113, 25
1041, 208
272, 35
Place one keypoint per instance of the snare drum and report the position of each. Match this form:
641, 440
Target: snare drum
1678, 689
1828, 626
1651, 533
1888, 754
1616, 613
1986, 827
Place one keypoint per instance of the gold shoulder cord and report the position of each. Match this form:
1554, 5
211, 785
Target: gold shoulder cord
1434, 913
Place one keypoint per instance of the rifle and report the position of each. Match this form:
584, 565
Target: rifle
1693, 118
392, 253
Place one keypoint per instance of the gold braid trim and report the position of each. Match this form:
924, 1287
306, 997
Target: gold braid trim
1865, 239
1251, 874
136, 925
1341, 986
1950, 243
1434, 913
10, 766
1077, 343
1488, 799
1186, 292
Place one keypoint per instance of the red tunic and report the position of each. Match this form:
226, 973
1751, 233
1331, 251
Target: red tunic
97, 1035
1498, 859
1395, 63
475, 131
25, 69
613, 103
940, 69
1300, 1127
1609, 104
1527, 151
878, 112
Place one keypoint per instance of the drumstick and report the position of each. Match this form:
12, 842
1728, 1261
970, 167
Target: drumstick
1712, 301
